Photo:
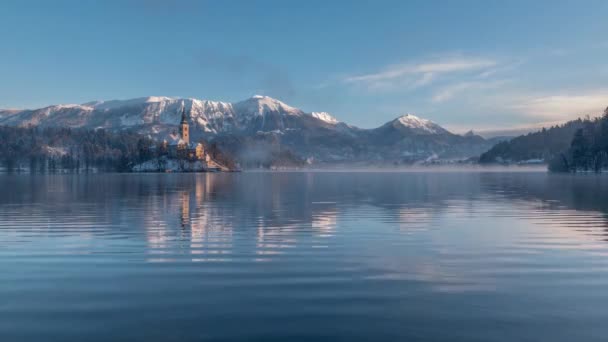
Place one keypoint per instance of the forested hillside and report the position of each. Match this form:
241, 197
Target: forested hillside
53, 149
80, 150
588, 150
543, 145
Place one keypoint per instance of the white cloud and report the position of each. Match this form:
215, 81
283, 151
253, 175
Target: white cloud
487, 73
415, 75
450, 91
564, 106
425, 79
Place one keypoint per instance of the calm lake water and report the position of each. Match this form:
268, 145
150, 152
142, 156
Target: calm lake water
327, 256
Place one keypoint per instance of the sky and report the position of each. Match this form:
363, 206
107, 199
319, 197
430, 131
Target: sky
483, 65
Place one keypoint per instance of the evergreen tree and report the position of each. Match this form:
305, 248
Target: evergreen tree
578, 149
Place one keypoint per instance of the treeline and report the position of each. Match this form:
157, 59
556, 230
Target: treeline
71, 150
588, 150
42, 150
543, 145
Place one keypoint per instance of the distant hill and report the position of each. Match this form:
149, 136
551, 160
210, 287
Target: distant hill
542, 145
499, 139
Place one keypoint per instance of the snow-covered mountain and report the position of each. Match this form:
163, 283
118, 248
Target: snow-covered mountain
416, 125
158, 113
326, 117
314, 136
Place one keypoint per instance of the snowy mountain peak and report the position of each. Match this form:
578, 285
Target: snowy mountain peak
419, 125
260, 105
325, 117
159, 115
105, 105
68, 106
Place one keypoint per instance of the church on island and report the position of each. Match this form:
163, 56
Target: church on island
182, 155
182, 148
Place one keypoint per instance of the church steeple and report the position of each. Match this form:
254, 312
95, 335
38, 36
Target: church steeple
184, 128
184, 119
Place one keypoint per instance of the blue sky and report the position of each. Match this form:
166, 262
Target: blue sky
463, 64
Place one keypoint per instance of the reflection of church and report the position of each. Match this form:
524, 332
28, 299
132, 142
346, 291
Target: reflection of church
185, 209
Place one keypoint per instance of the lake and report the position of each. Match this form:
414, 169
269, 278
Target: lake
296, 256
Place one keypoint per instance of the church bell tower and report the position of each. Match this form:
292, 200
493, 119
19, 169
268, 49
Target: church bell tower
184, 128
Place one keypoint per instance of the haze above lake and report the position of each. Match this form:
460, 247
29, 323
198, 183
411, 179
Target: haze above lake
375, 256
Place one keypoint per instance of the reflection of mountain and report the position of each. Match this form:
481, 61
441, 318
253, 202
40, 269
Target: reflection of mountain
447, 232
578, 192
185, 216
210, 216
207, 208
283, 212
279, 200
575, 207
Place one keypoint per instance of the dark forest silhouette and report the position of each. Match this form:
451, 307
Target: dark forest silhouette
80, 150
588, 149
577, 146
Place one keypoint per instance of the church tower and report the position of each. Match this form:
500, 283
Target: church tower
184, 128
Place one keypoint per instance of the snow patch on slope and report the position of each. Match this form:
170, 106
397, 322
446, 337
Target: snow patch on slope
106, 105
260, 105
50, 110
420, 125
325, 117
128, 120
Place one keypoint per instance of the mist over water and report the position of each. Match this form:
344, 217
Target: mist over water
374, 256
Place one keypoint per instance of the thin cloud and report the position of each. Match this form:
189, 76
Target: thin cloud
487, 73
564, 106
419, 74
450, 91
425, 79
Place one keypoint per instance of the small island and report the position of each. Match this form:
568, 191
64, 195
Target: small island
181, 155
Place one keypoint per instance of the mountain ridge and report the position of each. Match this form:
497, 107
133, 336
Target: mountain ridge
266, 104
311, 135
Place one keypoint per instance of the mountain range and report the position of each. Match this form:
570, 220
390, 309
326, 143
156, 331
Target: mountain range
251, 126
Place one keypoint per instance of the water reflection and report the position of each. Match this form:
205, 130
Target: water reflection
276, 210
376, 256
